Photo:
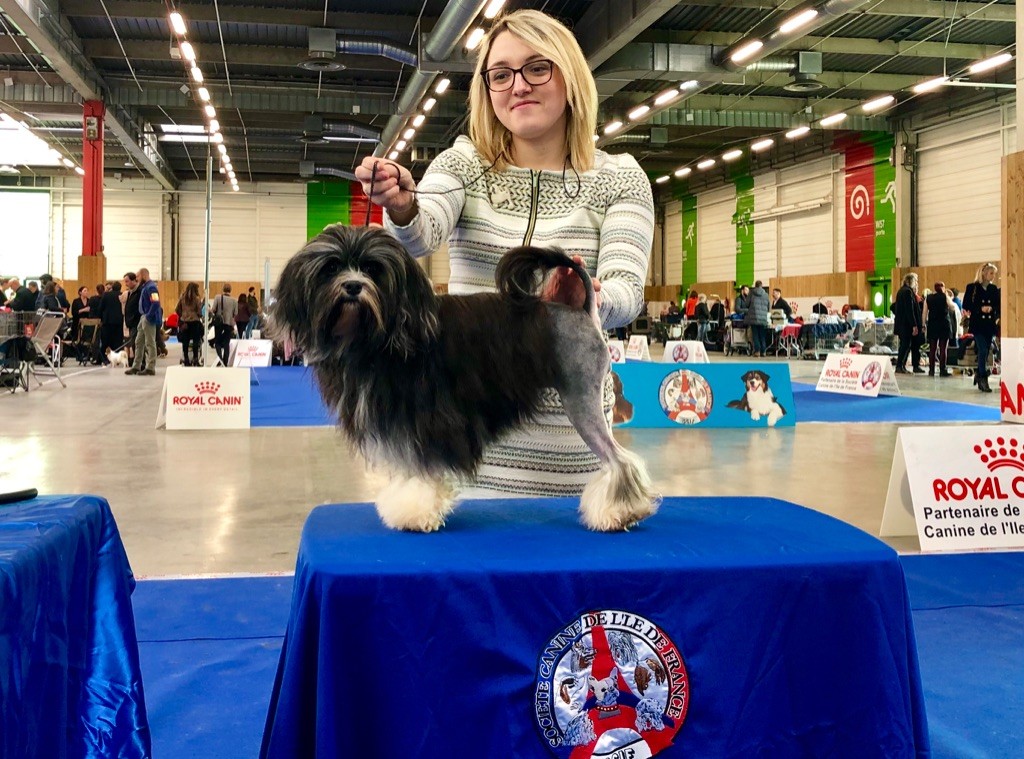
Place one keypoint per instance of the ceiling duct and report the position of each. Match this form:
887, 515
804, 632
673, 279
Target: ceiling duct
326, 44
671, 62
316, 130
309, 170
804, 66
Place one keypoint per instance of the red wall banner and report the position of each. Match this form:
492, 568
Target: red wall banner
860, 207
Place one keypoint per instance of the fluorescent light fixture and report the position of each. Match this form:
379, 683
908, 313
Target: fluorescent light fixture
222, 170
210, 111
800, 131
760, 145
55, 155
688, 85
662, 179
802, 18
666, 97
182, 128
442, 86
177, 23
835, 118
393, 155
475, 38
746, 51
68, 162
493, 8
706, 164
429, 103
878, 104
216, 138
231, 173
930, 85
80, 171
222, 148
418, 121
197, 74
683, 172
990, 63
183, 138
234, 188
401, 145
732, 155
228, 166
188, 52
613, 127
204, 94
409, 133
639, 112
214, 126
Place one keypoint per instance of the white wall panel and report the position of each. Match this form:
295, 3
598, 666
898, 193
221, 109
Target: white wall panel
674, 243
716, 259
132, 231
958, 191
806, 238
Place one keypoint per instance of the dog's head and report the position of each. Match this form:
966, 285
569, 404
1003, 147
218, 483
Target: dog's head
353, 289
606, 690
755, 380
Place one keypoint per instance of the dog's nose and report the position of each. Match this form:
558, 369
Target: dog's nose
352, 289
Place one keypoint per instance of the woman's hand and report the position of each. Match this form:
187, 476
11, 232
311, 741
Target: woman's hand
565, 286
391, 188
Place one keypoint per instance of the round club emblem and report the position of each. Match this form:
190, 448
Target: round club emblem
615, 353
871, 375
686, 397
611, 684
680, 354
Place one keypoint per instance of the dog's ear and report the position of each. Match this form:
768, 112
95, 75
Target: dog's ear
414, 322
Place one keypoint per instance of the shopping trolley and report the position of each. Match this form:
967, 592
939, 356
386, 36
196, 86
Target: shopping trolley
28, 338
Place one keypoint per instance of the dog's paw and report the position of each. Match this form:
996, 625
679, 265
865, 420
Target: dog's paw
415, 505
616, 500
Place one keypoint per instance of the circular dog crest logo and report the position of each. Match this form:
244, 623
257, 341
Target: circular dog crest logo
686, 397
611, 684
680, 354
871, 375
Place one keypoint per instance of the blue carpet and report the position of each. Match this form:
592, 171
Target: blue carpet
812, 406
210, 648
287, 396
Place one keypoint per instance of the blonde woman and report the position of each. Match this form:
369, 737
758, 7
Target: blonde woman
528, 173
981, 306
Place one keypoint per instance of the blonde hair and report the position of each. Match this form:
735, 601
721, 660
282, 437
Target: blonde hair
982, 269
553, 40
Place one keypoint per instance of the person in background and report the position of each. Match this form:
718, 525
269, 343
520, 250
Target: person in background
781, 305
22, 298
703, 316
224, 309
37, 296
131, 310
743, 301
79, 310
94, 300
956, 298
50, 302
691, 304
937, 308
242, 315
62, 297
111, 319
151, 319
190, 323
819, 308
756, 318
908, 325
254, 313
981, 307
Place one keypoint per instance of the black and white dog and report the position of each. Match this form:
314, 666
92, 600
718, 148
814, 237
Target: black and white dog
759, 400
421, 383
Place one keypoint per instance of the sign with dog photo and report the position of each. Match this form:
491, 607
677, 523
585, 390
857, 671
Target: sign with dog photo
863, 374
702, 395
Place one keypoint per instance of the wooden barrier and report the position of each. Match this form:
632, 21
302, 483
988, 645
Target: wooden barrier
852, 284
953, 275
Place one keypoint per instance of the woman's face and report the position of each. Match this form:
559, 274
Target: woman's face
529, 112
988, 275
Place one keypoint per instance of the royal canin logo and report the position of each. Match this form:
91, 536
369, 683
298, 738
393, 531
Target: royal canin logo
845, 363
999, 453
207, 388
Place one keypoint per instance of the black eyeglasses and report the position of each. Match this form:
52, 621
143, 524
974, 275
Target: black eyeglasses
534, 73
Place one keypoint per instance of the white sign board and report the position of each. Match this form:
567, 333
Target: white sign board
638, 349
1011, 385
617, 351
863, 374
204, 398
250, 352
685, 352
966, 489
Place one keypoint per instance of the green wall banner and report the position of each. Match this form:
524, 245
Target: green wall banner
744, 229
689, 212
870, 180
885, 208
326, 203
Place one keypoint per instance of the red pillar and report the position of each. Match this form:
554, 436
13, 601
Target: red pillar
92, 182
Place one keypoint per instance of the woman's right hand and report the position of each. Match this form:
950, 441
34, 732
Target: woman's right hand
392, 185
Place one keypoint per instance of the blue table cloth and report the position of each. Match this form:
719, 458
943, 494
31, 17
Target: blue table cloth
721, 627
70, 683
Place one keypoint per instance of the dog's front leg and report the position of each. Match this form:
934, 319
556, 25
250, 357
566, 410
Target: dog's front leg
415, 504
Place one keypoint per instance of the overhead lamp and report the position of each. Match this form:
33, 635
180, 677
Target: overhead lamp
228, 165
683, 172
429, 103
760, 145
210, 111
68, 162
706, 164
80, 171
401, 145
493, 8
223, 170
662, 179
639, 112
835, 118
418, 121
204, 94
613, 127
214, 126
234, 188
409, 133
931, 85
393, 155
216, 138
800, 131
442, 86
188, 52
55, 155
231, 173
177, 23
746, 51
688, 85
802, 18
878, 103
222, 148
475, 38
732, 155
666, 97
197, 74
990, 63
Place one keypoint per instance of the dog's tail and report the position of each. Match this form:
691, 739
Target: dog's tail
521, 271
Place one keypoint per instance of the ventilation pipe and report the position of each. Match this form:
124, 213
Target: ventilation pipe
316, 130
325, 44
309, 169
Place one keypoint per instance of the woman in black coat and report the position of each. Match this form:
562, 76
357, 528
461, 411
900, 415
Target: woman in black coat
908, 325
981, 306
936, 320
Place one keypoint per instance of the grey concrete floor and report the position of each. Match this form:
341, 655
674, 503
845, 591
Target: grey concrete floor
235, 501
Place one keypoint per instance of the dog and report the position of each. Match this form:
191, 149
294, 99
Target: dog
622, 412
759, 400
117, 358
421, 383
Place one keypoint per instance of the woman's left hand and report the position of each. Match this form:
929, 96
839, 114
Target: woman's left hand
565, 286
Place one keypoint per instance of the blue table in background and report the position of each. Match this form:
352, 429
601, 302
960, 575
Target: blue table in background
755, 628
70, 683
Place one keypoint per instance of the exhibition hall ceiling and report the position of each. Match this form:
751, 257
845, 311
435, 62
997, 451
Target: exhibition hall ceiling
308, 87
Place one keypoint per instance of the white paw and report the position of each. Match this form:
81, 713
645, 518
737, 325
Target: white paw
415, 505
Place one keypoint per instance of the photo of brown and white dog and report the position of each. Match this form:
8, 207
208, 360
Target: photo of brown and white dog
758, 400
421, 383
